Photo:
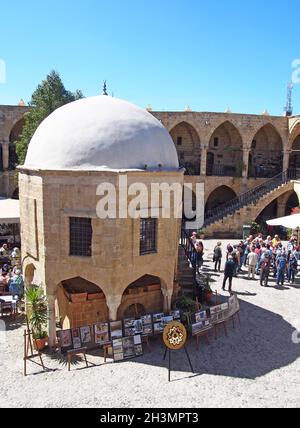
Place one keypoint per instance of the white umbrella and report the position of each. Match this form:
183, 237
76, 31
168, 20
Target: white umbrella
290, 222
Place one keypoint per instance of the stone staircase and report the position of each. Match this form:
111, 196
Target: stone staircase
185, 274
231, 216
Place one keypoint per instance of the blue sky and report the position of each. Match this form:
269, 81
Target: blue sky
167, 53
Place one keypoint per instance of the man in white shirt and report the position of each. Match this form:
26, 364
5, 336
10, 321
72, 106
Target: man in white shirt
252, 261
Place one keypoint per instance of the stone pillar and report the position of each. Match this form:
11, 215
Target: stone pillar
52, 320
5, 155
281, 210
113, 304
203, 165
246, 153
286, 159
167, 294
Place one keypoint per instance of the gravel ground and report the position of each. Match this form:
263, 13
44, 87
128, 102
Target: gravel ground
258, 365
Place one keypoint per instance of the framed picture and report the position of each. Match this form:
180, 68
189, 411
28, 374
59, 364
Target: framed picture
65, 338
148, 330
138, 326
118, 350
130, 331
116, 330
129, 347
200, 316
146, 319
101, 331
200, 327
86, 335
176, 315
76, 338
129, 323
158, 327
158, 318
167, 320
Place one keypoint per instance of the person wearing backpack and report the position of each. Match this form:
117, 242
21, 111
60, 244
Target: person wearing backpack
265, 266
218, 257
281, 269
292, 269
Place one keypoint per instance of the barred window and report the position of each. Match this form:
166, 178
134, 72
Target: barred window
148, 236
81, 237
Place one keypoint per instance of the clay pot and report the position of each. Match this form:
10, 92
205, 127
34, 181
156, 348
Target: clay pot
40, 344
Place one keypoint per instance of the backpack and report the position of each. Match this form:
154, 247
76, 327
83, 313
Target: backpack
282, 264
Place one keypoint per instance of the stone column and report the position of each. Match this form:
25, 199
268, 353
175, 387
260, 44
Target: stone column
168, 294
52, 320
286, 159
203, 165
246, 153
113, 304
5, 155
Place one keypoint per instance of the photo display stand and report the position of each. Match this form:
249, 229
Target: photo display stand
175, 338
29, 353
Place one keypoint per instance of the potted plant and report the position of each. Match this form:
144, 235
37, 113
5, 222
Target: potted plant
187, 307
37, 312
201, 234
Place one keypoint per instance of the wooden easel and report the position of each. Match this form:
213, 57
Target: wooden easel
29, 353
167, 350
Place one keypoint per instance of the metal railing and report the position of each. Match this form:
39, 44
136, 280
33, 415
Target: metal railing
250, 197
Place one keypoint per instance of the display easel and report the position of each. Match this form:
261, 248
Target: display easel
29, 353
167, 350
175, 338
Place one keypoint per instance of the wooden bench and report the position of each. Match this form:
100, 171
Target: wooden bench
74, 353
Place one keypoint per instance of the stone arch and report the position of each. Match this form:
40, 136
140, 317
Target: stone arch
188, 146
291, 202
218, 197
80, 302
294, 161
266, 155
16, 130
144, 293
225, 152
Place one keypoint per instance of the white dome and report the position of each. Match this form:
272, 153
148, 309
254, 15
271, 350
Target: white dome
101, 133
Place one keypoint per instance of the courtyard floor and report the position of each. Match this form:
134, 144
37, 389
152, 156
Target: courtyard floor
258, 365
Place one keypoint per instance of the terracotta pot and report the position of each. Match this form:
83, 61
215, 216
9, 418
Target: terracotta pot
80, 297
209, 296
40, 344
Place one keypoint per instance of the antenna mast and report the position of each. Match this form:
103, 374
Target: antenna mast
289, 106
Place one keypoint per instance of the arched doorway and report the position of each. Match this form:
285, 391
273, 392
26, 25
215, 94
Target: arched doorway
187, 143
266, 157
142, 297
292, 202
225, 156
270, 212
16, 131
218, 197
80, 303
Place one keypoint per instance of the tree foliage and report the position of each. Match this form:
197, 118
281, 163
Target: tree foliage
49, 95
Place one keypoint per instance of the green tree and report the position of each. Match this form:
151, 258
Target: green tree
49, 95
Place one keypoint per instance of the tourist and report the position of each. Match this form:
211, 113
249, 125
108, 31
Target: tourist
229, 251
4, 278
200, 253
4, 252
292, 269
16, 284
229, 273
276, 241
281, 269
218, 257
265, 266
15, 257
252, 262
236, 258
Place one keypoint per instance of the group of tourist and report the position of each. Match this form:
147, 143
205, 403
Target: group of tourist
262, 258
11, 279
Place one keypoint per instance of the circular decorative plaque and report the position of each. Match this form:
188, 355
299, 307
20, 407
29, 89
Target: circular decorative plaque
175, 336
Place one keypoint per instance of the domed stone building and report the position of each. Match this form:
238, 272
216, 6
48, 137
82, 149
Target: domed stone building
94, 269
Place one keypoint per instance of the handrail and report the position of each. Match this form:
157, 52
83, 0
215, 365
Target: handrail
251, 196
